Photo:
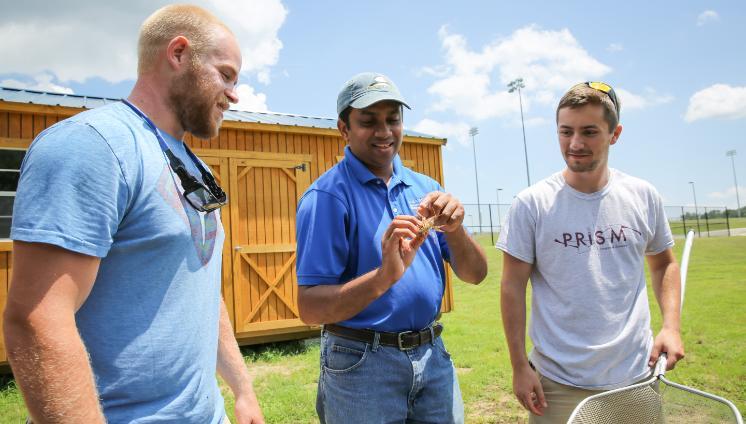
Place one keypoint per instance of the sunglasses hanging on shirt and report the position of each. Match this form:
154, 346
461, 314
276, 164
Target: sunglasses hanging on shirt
205, 197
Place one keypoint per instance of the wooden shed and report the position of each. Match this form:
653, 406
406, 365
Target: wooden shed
264, 161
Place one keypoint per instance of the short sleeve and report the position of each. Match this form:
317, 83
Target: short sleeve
71, 192
662, 238
321, 231
517, 236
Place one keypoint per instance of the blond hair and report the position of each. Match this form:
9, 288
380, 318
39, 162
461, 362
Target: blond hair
581, 94
196, 24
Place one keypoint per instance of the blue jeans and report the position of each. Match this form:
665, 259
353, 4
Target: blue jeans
364, 383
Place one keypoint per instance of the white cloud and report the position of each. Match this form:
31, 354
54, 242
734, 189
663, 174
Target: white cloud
256, 24
72, 50
250, 101
454, 131
473, 83
615, 47
717, 101
729, 196
629, 100
439, 71
632, 101
88, 38
263, 76
707, 16
42, 82
535, 121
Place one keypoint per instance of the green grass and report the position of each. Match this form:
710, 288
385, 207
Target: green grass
715, 224
713, 327
12, 409
713, 321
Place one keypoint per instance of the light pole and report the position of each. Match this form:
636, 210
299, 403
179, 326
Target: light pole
732, 154
473, 131
516, 85
696, 209
499, 221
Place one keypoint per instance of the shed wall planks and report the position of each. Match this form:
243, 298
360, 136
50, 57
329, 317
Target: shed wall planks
258, 165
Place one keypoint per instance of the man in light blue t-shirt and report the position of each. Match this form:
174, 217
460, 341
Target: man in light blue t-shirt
370, 274
114, 312
583, 236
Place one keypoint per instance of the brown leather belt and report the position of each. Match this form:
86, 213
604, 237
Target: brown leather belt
403, 341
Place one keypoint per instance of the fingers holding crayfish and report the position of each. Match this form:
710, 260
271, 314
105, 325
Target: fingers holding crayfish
403, 228
398, 247
426, 207
447, 209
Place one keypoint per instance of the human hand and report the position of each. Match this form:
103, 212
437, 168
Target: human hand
447, 209
247, 409
527, 389
399, 246
668, 341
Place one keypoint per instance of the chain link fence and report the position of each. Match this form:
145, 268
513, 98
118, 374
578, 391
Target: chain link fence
485, 219
707, 221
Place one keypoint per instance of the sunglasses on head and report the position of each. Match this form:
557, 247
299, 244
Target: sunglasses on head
203, 197
605, 88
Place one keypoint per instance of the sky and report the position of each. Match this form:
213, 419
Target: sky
679, 69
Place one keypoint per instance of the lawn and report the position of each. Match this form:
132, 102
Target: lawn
712, 224
713, 327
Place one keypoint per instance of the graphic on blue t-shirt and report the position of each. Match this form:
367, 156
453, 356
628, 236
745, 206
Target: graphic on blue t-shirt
204, 241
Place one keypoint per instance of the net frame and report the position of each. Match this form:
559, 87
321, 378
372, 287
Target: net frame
614, 406
642, 402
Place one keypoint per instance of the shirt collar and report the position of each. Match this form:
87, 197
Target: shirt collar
364, 176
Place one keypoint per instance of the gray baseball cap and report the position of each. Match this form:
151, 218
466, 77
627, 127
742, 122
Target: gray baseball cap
367, 88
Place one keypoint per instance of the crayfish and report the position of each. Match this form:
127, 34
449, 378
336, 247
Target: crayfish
427, 224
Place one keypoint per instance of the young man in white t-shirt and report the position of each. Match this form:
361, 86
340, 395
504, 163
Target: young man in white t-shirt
581, 236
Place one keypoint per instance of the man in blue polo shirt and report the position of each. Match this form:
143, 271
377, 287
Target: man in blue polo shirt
373, 278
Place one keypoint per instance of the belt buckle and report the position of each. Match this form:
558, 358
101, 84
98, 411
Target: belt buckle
399, 340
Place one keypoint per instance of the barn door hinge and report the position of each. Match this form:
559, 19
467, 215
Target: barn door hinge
302, 167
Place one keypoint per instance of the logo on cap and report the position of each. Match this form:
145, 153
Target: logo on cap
365, 89
380, 83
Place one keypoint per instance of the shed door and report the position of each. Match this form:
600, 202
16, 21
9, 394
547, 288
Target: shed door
264, 194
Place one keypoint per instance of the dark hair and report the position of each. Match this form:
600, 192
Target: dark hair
345, 115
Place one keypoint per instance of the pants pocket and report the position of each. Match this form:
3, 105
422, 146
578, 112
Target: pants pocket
344, 356
441, 347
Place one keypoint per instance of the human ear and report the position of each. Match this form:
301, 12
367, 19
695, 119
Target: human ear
617, 133
344, 131
176, 51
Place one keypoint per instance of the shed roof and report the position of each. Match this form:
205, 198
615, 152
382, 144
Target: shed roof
19, 95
